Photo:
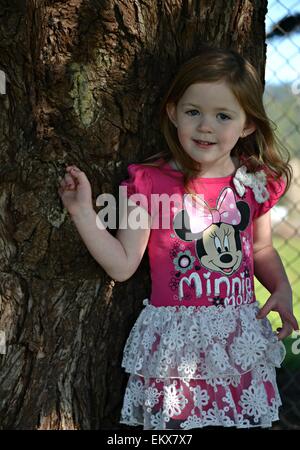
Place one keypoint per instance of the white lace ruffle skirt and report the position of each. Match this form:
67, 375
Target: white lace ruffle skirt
192, 367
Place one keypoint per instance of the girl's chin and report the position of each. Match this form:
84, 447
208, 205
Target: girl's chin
204, 156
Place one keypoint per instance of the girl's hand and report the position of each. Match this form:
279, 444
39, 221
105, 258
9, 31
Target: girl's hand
281, 302
75, 191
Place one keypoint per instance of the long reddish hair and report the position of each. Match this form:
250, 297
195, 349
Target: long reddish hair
261, 148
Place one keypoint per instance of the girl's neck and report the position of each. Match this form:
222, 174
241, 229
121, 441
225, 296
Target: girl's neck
212, 172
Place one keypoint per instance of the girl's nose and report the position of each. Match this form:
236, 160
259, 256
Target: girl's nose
205, 124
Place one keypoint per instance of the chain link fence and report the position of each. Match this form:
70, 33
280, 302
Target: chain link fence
282, 101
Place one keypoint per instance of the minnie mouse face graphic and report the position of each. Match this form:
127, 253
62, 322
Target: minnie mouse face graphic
216, 231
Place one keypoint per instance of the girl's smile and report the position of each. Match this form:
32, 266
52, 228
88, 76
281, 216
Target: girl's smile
204, 144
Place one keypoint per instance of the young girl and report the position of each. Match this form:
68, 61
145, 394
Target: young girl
201, 353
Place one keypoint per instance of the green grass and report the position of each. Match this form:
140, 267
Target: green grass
289, 251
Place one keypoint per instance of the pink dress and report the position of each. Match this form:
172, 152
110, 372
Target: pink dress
197, 356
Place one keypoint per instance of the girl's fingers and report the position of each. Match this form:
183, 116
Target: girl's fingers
72, 179
285, 331
66, 183
264, 311
289, 317
69, 181
78, 175
72, 166
286, 316
72, 169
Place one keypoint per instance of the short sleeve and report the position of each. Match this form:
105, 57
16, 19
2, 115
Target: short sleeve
276, 189
138, 186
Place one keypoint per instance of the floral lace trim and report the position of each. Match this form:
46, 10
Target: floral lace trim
256, 181
200, 342
180, 404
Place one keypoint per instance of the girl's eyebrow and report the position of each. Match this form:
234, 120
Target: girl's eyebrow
216, 109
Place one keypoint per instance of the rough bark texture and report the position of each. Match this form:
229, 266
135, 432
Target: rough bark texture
84, 79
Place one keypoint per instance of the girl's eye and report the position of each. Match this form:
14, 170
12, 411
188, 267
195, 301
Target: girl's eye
191, 112
223, 116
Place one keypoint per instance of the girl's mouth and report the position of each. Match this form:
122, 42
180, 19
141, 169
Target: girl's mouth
204, 144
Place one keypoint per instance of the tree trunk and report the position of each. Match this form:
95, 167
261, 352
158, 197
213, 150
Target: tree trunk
84, 80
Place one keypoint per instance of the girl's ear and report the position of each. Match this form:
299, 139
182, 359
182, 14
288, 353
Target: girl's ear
249, 128
171, 111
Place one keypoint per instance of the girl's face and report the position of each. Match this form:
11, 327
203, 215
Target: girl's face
209, 121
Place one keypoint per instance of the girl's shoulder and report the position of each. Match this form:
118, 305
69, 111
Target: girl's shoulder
142, 176
154, 169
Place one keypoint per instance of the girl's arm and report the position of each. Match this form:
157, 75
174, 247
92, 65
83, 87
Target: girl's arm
119, 256
268, 266
269, 270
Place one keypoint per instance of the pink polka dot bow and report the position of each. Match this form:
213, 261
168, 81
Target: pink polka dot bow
202, 216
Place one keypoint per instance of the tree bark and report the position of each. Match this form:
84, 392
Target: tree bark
84, 80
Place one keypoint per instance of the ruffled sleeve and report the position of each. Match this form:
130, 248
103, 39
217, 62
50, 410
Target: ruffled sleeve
275, 189
138, 186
